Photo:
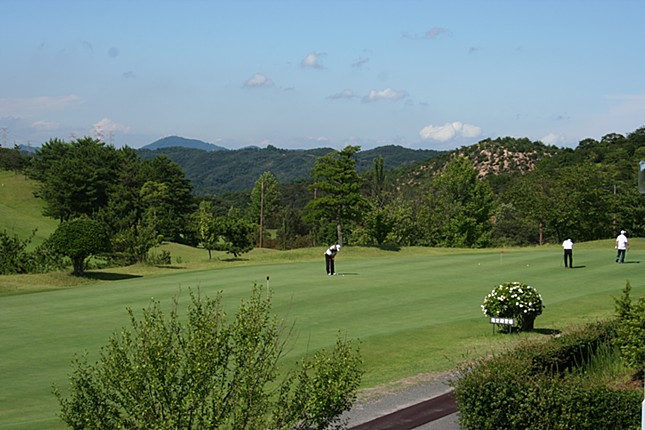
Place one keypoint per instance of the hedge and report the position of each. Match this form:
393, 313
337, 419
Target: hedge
529, 388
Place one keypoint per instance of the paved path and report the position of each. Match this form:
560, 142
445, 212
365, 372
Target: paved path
427, 405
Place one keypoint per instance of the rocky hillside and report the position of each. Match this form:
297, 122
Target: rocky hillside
490, 157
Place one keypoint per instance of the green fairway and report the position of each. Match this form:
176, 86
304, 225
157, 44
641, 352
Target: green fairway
415, 310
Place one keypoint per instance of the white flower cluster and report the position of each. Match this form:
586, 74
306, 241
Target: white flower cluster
512, 298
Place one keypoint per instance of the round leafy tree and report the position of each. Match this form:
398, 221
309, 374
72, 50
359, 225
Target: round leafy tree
78, 239
514, 300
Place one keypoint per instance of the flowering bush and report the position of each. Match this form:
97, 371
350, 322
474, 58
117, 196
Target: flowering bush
514, 300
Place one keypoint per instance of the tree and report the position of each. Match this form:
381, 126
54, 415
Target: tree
377, 220
133, 243
13, 253
75, 178
157, 202
573, 201
236, 234
459, 207
293, 232
171, 193
205, 372
78, 239
337, 187
630, 330
12, 159
265, 200
377, 182
378, 224
404, 215
207, 228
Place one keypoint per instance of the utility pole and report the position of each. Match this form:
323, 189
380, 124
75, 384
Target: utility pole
261, 209
614, 211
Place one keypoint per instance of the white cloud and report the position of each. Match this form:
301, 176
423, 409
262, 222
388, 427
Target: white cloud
345, 94
258, 80
312, 60
449, 131
386, 94
106, 126
553, 139
29, 106
44, 126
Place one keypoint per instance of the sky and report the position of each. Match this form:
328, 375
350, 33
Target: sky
423, 74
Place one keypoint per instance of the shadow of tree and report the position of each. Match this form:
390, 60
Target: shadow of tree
389, 247
109, 276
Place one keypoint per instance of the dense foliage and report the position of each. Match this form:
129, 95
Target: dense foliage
16, 258
631, 328
219, 172
337, 188
79, 239
540, 386
203, 371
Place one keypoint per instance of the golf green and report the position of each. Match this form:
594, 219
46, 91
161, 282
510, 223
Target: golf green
414, 311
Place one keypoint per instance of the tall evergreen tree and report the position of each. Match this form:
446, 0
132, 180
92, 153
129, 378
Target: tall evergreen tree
337, 188
172, 193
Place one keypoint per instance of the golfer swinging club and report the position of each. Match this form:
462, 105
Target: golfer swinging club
330, 254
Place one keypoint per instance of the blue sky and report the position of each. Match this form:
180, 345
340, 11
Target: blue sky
308, 73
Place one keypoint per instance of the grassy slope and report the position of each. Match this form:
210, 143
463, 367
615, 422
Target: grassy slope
415, 311
20, 212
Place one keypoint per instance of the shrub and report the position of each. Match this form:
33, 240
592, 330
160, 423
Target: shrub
203, 371
78, 239
15, 258
631, 328
526, 388
514, 300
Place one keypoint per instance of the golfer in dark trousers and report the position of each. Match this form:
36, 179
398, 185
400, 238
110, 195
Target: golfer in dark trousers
567, 245
330, 254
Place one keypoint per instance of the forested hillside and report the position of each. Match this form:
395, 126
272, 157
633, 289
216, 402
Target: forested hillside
218, 172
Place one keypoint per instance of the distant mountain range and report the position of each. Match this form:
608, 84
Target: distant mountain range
172, 141
214, 170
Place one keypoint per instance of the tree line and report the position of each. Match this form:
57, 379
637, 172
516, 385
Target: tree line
584, 193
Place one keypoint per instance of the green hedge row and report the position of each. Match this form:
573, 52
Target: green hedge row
528, 388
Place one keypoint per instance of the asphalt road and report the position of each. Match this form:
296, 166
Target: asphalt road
427, 405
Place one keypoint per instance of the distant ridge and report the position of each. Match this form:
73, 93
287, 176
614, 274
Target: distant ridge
182, 142
218, 172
